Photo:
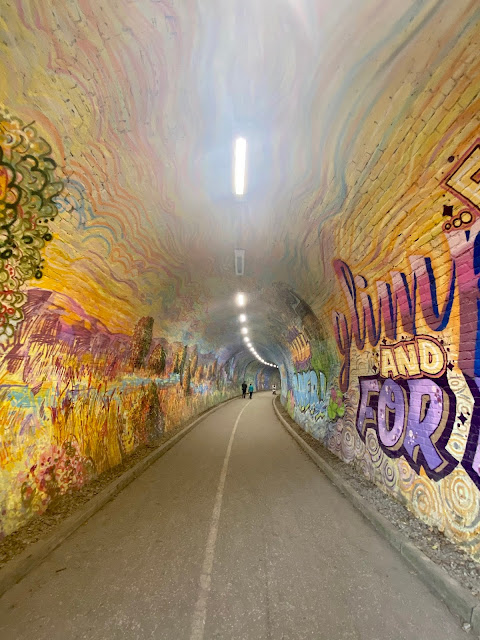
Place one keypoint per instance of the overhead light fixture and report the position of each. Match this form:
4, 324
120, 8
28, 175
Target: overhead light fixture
240, 161
239, 262
242, 317
241, 299
246, 339
244, 330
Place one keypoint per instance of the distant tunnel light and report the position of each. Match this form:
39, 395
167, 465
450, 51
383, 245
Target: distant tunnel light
240, 156
242, 317
244, 331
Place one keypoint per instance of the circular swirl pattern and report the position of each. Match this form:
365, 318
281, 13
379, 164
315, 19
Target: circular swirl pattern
373, 448
426, 503
389, 474
406, 475
359, 447
348, 444
334, 442
338, 437
366, 467
461, 502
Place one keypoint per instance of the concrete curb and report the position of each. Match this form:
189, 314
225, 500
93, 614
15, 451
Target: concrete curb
458, 600
19, 566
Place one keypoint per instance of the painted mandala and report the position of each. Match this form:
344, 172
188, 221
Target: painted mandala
27, 190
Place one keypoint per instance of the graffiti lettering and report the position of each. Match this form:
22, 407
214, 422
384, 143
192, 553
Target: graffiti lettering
363, 324
413, 418
309, 393
395, 306
423, 356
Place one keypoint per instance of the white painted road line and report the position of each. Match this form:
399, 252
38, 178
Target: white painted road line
200, 613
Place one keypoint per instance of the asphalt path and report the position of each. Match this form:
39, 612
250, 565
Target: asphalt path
233, 534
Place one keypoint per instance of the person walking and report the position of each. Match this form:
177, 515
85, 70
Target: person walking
274, 389
244, 389
250, 390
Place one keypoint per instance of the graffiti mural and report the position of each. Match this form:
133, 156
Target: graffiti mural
413, 418
362, 237
395, 308
410, 340
76, 399
400, 398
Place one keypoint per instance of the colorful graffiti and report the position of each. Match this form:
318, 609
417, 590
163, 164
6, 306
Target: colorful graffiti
28, 188
396, 305
365, 209
76, 400
413, 418
424, 357
418, 389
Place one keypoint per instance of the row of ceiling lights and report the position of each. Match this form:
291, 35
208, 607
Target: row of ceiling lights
240, 153
241, 302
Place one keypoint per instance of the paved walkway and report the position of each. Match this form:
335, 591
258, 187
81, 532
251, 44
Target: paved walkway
227, 538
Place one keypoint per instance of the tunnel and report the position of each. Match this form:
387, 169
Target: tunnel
196, 195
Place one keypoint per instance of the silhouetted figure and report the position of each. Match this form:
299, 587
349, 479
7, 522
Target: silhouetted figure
250, 390
244, 389
274, 389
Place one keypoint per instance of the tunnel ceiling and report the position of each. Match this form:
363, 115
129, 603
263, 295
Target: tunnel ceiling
141, 101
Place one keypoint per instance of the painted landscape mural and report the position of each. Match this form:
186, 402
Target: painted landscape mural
76, 399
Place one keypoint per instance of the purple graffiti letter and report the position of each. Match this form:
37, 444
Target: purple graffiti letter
422, 434
391, 401
366, 415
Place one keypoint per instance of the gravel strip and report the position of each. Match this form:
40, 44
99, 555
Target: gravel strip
456, 562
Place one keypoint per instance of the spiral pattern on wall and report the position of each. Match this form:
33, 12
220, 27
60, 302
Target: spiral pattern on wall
348, 444
406, 475
373, 448
389, 474
460, 500
425, 502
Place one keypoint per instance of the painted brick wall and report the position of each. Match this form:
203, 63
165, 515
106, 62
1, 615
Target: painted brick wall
392, 383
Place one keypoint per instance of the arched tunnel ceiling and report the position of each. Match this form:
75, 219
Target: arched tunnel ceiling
141, 101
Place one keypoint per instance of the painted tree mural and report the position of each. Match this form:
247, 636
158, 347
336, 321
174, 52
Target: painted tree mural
182, 359
186, 379
141, 341
193, 362
158, 359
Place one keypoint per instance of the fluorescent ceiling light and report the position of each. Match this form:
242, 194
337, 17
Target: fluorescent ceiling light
244, 330
246, 339
242, 317
240, 299
240, 157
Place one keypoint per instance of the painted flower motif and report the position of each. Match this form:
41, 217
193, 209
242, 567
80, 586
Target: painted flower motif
57, 471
